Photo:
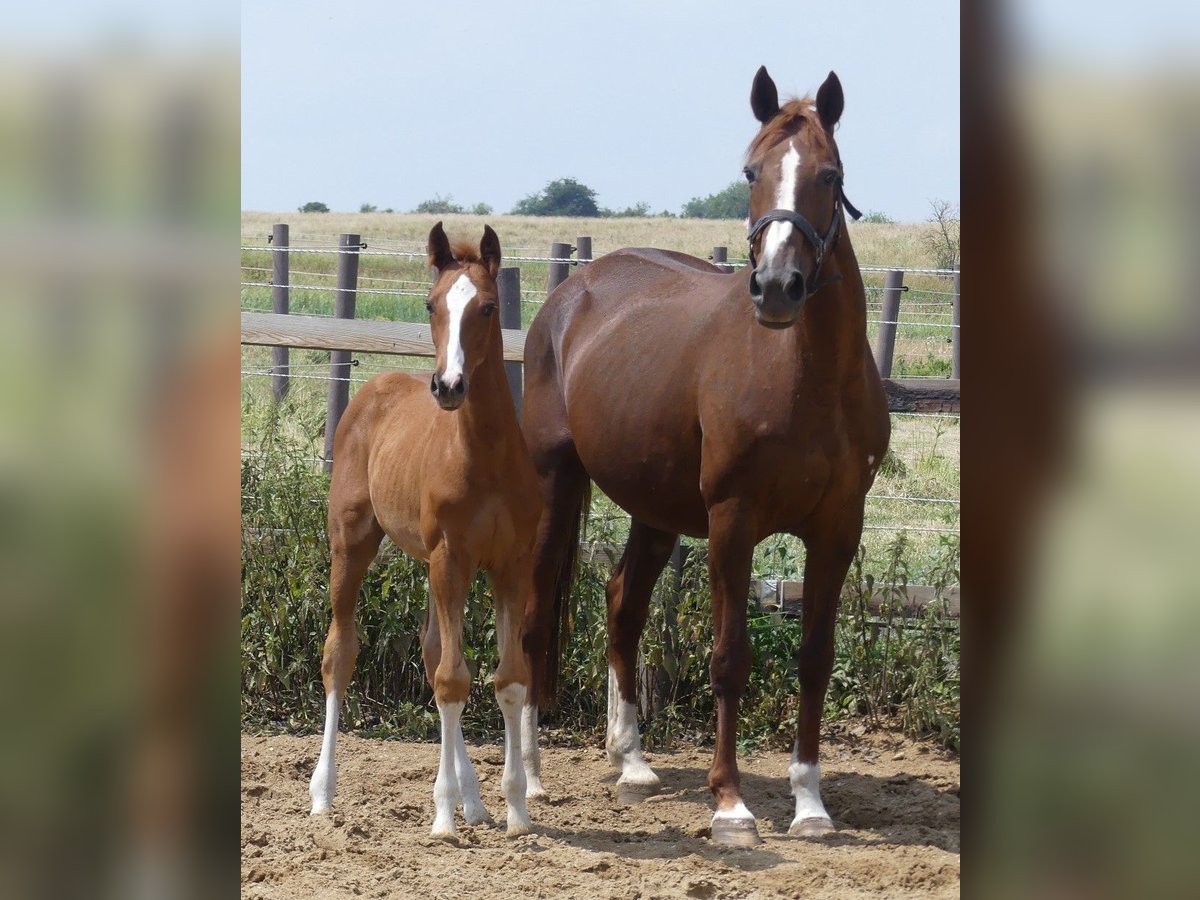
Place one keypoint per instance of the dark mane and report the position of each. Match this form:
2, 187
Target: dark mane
788, 122
465, 252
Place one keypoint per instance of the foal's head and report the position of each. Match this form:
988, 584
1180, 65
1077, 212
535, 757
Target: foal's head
462, 311
795, 177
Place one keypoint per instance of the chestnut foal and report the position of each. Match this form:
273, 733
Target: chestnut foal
442, 469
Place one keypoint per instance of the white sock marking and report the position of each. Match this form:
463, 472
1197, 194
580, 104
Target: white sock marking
445, 786
806, 786
457, 298
623, 742
737, 811
531, 756
512, 784
323, 785
468, 782
779, 233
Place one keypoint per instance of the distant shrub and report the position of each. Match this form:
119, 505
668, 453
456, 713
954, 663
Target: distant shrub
731, 203
637, 211
439, 205
481, 209
564, 197
875, 217
368, 208
314, 206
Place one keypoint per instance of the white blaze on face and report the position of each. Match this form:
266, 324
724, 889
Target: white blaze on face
779, 233
457, 298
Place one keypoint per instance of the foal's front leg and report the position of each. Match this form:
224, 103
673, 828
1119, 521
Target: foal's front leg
449, 578
512, 687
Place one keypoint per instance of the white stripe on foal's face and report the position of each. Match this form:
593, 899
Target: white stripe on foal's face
457, 298
779, 233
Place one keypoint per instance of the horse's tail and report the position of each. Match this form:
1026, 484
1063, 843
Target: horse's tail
561, 620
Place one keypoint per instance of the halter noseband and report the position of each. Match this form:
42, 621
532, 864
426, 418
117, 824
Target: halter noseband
822, 246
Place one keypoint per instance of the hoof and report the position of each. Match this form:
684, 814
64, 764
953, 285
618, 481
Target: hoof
478, 817
449, 835
535, 791
320, 807
516, 829
631, 793
811, 827
735, 832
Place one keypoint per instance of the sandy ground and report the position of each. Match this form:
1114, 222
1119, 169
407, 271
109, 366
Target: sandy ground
895, 804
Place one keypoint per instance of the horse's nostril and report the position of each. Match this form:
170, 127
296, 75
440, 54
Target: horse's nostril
433, 385
755, 288
459, 387
794, 288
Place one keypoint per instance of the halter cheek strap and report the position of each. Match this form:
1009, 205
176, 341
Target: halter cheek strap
822, 246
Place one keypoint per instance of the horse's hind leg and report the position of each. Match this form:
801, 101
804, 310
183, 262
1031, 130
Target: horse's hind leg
564, 485
512, 684
474, 812
629, 590
354, 537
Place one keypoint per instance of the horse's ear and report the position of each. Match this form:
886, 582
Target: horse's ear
764, 98
830, 101
439, 248
489, 251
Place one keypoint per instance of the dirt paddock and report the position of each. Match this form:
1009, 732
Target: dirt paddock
895, 804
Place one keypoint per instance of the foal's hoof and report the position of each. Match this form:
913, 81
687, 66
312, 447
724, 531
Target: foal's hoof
536, 793
631, 793
478, 816
811, 827
735, 832
516, 829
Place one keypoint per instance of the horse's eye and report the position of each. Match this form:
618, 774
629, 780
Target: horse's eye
428, 307
749, 173
830, 178
488, 309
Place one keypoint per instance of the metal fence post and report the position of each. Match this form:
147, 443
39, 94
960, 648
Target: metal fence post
509, 285
558, 270
719, 257
279, 305
885, 347
584, 251
339, 360
955, 346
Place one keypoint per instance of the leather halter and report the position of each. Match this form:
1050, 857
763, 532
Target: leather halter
822, 246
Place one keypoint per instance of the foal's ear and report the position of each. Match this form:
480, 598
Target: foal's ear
489, 251
764, 98
439, 248
830, 101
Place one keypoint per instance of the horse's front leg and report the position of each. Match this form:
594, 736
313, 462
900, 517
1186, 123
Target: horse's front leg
730, 557
827, 559
511, 587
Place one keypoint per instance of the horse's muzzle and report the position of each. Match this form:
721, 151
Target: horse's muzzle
449, 396
778, 295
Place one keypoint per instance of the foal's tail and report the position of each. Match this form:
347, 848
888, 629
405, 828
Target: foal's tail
561, 621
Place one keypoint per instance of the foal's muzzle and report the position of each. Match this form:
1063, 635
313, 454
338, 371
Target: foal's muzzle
778, 295
448, 394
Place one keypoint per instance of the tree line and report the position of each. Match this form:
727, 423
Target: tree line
569, 197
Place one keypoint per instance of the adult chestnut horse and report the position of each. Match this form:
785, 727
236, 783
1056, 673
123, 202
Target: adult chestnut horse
442, 469
730, 407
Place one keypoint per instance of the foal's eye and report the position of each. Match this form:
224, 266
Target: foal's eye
749, 173
428, 307
488, 309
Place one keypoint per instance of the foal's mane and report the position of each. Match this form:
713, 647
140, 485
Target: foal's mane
792, 116
465, 252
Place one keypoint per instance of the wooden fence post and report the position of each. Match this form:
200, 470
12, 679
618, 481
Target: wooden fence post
339, 360
719, 257
955, 346
279, 304
584, 251
885, 346
558, 270
509, 285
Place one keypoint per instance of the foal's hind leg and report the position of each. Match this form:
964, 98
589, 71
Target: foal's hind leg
354, 537
467, 781
646, 552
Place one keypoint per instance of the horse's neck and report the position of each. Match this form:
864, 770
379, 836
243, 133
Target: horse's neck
488, 415
836, 317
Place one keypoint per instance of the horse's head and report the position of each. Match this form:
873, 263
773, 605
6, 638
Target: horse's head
462, 311
795, 177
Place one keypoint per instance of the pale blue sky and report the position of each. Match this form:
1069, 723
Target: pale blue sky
391, 103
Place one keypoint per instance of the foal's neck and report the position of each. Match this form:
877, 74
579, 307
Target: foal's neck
488, 416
